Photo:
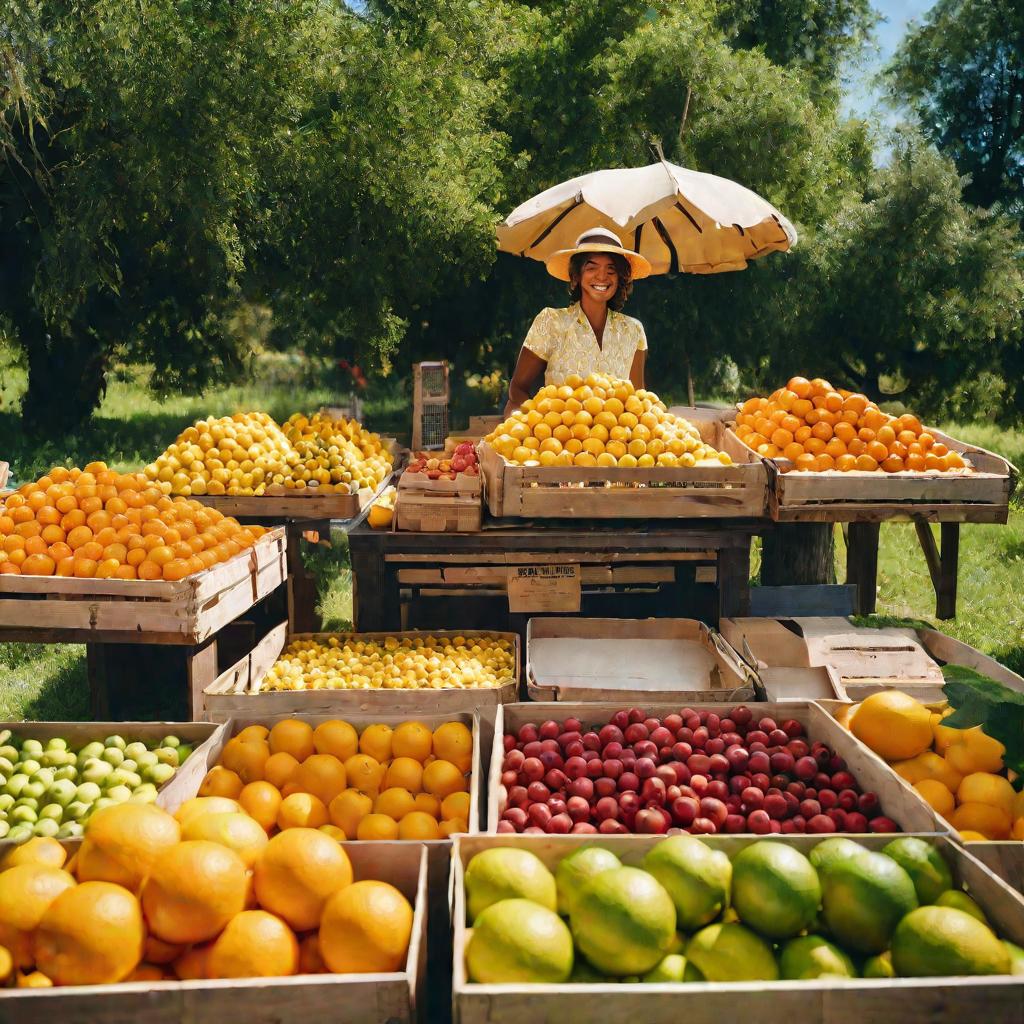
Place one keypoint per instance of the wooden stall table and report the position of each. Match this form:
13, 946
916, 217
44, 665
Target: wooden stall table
611, 555
138, 633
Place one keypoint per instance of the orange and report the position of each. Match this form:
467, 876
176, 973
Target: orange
92, 934
123, 843
412, 739
937, 796
866, 464
453, 742
38, 850
310, 960
322, 775
278, 768
349, 808
195, 888
191, 965
337, 738
364, 773
261, 801
366, 928
394, 802
893, 724
221, 781
406, 773
26, 892
453, 826
301, 810
428, 804
292, 736
987, 788
233, 829
377, 826
991, 822
418, 825
158, 952
456, 805
376, 742
296, 873
255, 944
246, 758
38, 565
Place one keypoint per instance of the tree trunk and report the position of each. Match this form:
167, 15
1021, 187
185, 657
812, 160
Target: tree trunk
797, 553
66, 381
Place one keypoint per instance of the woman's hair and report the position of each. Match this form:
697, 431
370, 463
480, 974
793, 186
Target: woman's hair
622, 268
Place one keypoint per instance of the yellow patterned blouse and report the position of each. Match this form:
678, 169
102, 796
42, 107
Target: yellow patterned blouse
566, 341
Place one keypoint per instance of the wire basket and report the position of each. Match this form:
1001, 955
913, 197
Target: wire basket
429, 405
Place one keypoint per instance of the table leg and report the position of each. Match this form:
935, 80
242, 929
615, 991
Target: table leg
734, 582
862, 564
376, 605
302, 594
201, 662
943, 564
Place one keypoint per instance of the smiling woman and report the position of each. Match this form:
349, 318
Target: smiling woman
591, 335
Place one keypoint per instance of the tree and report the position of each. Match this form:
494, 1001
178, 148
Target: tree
962, 73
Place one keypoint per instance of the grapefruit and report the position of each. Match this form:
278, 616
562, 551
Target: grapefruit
961, 901
879, 966
1016, 957
864, 898
731, 952
811, 956
775, 889
836, 848
695, 876
673, 968
624, 922
365, 928
927, 868
516, 941
893, 724
504, 873
942, 942
574, 871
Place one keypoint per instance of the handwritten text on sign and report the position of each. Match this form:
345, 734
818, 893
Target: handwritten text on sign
544, 588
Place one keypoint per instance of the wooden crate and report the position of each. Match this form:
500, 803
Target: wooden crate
1005, 857
611, 493
465, 484
424, 512
823, 1001
69, 610
979, 496
176, 790
631, 660
899, 802
354, 998
866, 659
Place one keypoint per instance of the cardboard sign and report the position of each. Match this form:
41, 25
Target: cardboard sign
543, 588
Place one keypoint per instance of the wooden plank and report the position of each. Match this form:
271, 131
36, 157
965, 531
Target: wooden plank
806, 599
441, 513
5, 470
354, 998
536, 557
825, 1000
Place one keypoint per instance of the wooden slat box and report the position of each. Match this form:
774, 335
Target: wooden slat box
979, 496
574, 659
69, 610
1003, 856
898, 802
822, 1001
352, 998
591, 492
182, 785
427, 512
866, 659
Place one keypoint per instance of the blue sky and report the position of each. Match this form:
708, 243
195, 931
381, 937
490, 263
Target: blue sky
860, 98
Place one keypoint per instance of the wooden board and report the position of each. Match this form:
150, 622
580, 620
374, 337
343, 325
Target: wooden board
978, 496
899, 802
464, 484
427, 512
353, 998
69, 610
612, 492
5, 471
822, 1001
573, 659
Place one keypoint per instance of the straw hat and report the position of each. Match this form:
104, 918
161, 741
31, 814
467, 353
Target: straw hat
597, 240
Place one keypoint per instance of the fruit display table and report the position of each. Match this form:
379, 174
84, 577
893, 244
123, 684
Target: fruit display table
676, 557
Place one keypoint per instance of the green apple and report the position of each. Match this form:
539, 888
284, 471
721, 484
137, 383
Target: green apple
183, 751
54, 811
146, 760
129, 764
46, 827
6, 766
5, 735
11, 753
115, 741
104, 801
133, 750
6, 802
21, 813
16, 783
131, 779
45, 776
88, 792
4, 829
113, 755
160, 773
28, 801
32, 747
167, 755
96, 770
34, 789
63, 791
20, 833
119, 794
56, 743
145, 794
94, 749
70, 830
30, 767
3, 781
77, 810
69, 771
170, 741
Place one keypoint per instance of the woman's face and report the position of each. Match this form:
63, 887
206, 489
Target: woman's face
599, 280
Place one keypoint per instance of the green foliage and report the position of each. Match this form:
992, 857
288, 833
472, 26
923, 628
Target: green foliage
962, 73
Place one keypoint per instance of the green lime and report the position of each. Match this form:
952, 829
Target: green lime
811, 956
879, 966
940, 942
574, 871
864, 898
1016, 957
775, 889
961, 901
836, 848
519, 941
730, 952
694, 875
673, 968
927, 867
623, 921
584, 974
507, 873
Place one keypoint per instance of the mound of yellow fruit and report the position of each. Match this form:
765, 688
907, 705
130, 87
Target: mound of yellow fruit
600, 421
406, 782
397, 663
959, 772
201, 895
249, 454
817, 428
97, 524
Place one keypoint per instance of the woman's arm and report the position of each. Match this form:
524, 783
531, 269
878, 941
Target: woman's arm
636, 371
529, 368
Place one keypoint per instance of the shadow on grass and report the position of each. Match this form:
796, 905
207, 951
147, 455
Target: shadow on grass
46, 683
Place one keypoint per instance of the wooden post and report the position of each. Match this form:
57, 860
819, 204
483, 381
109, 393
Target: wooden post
202, 667
945, 605
734, 582
796, 553
862, 564
302, 595
375, 599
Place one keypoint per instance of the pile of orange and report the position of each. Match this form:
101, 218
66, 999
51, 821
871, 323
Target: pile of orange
141, 901
818, 428
406, 782
98, 524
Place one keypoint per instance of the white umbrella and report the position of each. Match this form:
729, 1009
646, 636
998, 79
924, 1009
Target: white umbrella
681, 220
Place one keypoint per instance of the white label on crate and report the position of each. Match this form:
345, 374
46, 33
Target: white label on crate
544, 588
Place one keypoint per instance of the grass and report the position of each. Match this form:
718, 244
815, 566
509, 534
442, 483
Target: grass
48, 682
